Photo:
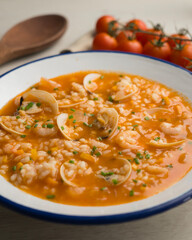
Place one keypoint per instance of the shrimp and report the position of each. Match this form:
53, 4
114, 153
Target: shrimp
44, 131
168, 128
127, 139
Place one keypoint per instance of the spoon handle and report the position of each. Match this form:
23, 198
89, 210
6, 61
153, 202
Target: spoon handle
82, 44
5, 55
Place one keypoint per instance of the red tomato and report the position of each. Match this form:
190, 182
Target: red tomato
137, 24
104, 41
173, 42
123, 36
162, 50
103, 23
146, 37
130, 45
181, 56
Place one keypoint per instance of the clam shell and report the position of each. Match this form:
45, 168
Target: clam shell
154, 143
61, 122
45, 97
88, 82
154, 110
63, 177
9, 129
110, 179
108, 118
73, 104
120, 96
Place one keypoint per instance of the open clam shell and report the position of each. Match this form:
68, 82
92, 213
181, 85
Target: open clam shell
107, 122
154, 110
61, 123
117, 178
7, 128
88, 82
72, 104
157, 144
63, 177
44, 97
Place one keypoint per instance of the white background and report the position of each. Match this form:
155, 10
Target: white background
82, 14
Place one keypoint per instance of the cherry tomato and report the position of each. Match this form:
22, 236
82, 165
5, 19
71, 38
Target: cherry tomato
173, 42
104, 41
160, 50
146, 37
182, 55
137, 24
103, 23
130, 45
123, 36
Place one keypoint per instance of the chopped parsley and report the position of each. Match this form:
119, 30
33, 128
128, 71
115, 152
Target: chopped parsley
71, 161
109, 131
103, 188
70, 116
75, 152
120, 153
29, 105
85, 114
28, 126
36, 121
138, 170
147, 118
62, 128
132, 112
139, 155
14, 168
74, 121
147, 156
55, 89
23, 136
92, 115
98, 154
35, 125
136, 160
105, 174
157, 138
102, 77
17, 117
131, 193
96, 98
115, 182
100, 138
50, 196
170, 166
38, 104
49, 125
134, 180
89, 81
110, 99
73, 110
118, 127
49, 151
144, 185
44, 125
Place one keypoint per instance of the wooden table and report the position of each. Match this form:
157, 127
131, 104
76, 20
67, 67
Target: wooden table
82, 14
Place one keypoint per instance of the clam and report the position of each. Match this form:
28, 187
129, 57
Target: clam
124, 89
63, 177
107, 122
33, 108
157, 144
154, 110
72, 104
61, 123
114, 177
44, 97
7, 128
88, 82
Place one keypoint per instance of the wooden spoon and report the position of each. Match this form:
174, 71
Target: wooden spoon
31, 36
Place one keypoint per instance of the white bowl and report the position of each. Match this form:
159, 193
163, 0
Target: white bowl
18, 79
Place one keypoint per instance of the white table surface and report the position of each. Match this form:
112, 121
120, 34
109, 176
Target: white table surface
174, 224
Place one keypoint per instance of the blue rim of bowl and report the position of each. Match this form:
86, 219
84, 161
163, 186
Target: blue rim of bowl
104, 219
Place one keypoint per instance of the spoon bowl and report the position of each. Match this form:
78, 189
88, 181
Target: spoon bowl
30, 36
